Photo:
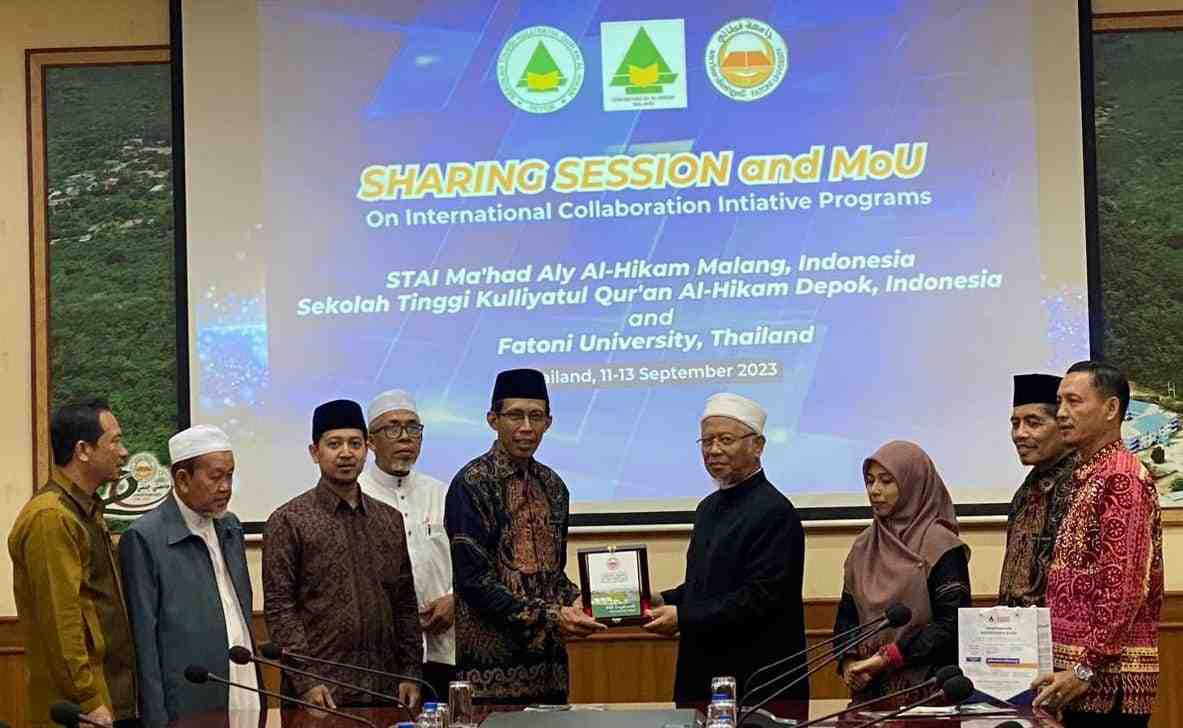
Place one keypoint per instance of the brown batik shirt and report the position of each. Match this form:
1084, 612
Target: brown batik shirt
508, 524
337, 586
1036, 512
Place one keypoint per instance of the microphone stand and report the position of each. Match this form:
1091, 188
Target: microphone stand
855, 708
895, 713
819, 660
331, 681
358, 668
807, 650
284, 698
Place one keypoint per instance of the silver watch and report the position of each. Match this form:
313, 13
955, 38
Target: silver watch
1083, 673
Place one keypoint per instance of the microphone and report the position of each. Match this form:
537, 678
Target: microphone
272, 651
242, 656
955, 690
895, 616
941, 676
1009, 724
199, 675
70, 715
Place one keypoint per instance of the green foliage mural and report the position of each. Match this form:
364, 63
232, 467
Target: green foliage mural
112, 288
1139, 115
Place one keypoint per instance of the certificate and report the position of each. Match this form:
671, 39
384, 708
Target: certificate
1004, 649
614, 584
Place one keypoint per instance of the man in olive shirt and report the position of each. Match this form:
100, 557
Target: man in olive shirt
66, 579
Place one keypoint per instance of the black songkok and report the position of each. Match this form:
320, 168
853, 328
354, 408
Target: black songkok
340, 414
520, 384
1036, 389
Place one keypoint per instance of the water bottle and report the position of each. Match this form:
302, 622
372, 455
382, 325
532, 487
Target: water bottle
427, 718
721, 713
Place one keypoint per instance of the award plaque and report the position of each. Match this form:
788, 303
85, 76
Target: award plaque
614, 581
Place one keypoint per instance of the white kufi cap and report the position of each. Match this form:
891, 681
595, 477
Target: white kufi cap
389, 401
741, 409
197, 440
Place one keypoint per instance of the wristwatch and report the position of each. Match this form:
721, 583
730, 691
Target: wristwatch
1083, 672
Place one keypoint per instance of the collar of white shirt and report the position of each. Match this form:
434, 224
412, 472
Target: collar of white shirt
200, 525
405, 483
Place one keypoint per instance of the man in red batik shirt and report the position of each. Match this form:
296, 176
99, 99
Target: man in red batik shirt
1105, 583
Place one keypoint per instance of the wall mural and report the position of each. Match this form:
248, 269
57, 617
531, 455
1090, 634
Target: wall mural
1139, 113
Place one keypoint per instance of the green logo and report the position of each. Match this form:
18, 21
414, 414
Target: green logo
650, 61
540, 69
542, 74
643, 70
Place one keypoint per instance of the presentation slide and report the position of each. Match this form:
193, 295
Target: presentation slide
867, 216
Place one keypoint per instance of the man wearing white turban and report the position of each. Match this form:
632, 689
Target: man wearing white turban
188, 588
396, 437
740, 605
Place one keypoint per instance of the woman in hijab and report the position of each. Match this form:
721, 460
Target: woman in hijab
910, 554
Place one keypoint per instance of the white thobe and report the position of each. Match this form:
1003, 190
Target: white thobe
420, 499
237, 632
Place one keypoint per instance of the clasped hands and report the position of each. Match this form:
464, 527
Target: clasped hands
858, 674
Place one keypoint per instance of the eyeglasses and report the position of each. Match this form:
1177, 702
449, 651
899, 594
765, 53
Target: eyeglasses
517, 417
394, 431
724, 440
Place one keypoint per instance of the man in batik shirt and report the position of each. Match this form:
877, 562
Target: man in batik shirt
337, 578
1042, 500
1105, 585
506, 515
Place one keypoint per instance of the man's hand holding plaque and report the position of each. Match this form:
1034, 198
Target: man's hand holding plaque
574, 623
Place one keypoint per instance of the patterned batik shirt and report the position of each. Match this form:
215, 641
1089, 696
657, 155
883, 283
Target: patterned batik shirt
1036, 512
1105, 585
507, 521
337, 585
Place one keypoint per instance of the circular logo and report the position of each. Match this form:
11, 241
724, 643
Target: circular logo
746, 59
540, 69
613, 563
145, 485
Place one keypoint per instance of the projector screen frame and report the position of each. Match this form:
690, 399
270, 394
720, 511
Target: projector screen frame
673, 518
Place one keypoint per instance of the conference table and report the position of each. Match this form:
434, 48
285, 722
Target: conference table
601, 716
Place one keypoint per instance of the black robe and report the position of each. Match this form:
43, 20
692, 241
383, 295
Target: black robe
740, 606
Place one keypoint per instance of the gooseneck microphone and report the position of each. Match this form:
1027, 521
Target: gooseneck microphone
896, 615
70, 715
955, 690
272, 651
941, 677
199, 675
242, 656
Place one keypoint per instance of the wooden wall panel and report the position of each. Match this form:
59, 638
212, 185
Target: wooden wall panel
626, 665
12, 686
631, 666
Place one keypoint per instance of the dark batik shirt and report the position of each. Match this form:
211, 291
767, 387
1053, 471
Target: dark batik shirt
1036, 513
337, 585
507, 522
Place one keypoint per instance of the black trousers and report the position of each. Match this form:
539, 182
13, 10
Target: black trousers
1113, 719
438, 675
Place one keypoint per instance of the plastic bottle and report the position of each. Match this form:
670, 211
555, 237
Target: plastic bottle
427, 718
